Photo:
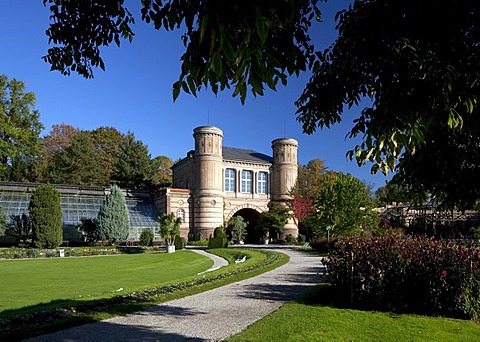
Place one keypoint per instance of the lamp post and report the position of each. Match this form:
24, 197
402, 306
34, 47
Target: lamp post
328, 234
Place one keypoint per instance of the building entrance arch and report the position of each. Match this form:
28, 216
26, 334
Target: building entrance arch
251, 215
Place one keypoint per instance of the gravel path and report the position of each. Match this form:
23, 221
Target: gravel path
209, 316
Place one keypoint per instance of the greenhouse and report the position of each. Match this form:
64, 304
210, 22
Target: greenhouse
77, 203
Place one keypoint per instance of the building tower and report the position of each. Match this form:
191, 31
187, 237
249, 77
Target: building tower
208, 180
284, 176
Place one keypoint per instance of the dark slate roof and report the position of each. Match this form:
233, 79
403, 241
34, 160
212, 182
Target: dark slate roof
239, 154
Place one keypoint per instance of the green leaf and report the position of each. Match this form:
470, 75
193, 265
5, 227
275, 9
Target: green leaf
216, 64
203, 28
260, 25
176, 90
228, 50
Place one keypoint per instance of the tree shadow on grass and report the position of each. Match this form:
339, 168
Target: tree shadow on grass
110, 331
62, 315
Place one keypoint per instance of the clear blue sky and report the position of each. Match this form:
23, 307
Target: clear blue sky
135, 93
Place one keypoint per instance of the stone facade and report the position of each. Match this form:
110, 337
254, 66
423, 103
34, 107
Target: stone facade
213, 183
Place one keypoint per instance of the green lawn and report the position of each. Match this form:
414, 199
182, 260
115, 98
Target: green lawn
306, 320
30, 282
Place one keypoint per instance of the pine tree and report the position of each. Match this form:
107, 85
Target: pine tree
46, 215
113, 221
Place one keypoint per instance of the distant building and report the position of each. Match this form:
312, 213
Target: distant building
210, 185
79, 202
213, 183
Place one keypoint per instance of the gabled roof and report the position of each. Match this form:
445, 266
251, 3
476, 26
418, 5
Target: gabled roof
242, 155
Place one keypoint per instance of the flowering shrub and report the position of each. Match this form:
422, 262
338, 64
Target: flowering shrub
418, 275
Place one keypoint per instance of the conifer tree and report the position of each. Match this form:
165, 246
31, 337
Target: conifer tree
3, 222
46, 215
113, 221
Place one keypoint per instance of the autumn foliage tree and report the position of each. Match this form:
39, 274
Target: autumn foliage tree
301, 207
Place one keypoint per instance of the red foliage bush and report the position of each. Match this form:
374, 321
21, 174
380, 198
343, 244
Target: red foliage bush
417, 275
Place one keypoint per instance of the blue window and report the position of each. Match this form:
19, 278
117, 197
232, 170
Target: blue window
229, 180
246, 184
262, 182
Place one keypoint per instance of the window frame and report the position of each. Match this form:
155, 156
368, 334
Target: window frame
230, 180
262, 183
246, 182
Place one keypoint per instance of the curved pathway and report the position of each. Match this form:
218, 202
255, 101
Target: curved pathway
209, 316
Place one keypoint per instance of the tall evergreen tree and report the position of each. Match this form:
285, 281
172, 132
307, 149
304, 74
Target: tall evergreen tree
113, 221
46, 215
134, 168
80, 164
19, 131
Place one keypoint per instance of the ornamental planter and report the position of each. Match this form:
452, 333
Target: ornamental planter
171, 249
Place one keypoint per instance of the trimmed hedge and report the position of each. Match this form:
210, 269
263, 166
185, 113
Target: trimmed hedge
217, 242
22, 253
414, 275
179, 243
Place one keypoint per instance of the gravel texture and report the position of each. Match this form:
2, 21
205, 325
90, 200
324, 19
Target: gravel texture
209, 316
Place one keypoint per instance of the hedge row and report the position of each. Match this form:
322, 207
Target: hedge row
23, 253
416, 275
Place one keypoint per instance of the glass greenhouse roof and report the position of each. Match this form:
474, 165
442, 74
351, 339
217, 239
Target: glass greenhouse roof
143, 212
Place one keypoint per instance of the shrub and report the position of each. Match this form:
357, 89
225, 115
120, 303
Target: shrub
217, 242
198, 243
289, 239
3, 222
301, 239
146, 237
113, 222
89, 227
33, 253
418, 275
321, 245
219, 232
46, 215
179, 242
219, 239
22, 228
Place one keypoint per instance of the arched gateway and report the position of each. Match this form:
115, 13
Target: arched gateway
214, 183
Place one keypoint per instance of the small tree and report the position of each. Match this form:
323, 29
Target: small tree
46, 215
274, 220
345, 206
146, 237
169, 227
89, 228
22, 228
238, 228
113, 222
3, 222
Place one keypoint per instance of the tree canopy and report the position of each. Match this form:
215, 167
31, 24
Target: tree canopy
20, 129
345, 206
412, 68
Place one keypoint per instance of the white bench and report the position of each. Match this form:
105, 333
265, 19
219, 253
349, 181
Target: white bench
241, 260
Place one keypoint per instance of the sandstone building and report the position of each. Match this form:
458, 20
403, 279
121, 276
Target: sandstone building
210, 185
213, 183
